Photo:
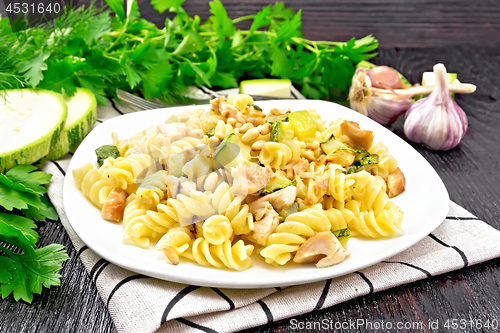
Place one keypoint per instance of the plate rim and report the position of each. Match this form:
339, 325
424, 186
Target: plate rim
314, 276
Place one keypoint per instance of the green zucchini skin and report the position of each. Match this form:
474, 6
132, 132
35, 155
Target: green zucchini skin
71, 136
39, 148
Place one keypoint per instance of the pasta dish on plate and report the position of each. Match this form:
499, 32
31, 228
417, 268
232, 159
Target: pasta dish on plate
218, 185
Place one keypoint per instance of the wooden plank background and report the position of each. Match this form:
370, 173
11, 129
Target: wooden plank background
413, 35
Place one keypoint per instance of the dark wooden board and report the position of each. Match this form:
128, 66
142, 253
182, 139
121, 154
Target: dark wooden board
394, 22
470, 173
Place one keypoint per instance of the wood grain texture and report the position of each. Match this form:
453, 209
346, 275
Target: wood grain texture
393, 22
469, 172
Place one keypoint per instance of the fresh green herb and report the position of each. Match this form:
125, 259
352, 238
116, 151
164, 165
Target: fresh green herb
92, 48
106, 151
25, 269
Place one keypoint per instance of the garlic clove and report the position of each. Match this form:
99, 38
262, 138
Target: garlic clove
436, 121
384, 107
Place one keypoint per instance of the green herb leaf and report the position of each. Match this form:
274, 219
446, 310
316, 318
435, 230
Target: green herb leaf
117, 7
33, 67
163, 5
132, 77
22, 178
18, 230
223, 24
33, 271
261, 19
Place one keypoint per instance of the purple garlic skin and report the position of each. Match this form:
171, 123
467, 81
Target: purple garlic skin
385, 110
436, 121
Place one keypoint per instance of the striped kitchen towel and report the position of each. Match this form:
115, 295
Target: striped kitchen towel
138, 303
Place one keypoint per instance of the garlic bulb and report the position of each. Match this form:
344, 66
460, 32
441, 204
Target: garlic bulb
436, 121
383, 106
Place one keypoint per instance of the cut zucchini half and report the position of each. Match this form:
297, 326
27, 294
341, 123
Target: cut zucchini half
267, 87
82, 114
30, 123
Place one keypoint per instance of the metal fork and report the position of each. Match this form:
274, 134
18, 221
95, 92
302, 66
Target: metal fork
138, 101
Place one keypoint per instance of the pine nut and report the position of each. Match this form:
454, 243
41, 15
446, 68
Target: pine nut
250, 135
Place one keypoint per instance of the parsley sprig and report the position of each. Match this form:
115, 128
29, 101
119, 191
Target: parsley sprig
24, 269
105, 49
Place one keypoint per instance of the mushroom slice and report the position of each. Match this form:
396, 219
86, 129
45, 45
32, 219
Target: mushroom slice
354, 136
113, 207
322, 249
395, 183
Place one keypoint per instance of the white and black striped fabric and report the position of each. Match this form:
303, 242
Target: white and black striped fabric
138, 303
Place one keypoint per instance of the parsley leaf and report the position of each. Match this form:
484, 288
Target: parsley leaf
33, 271
32, 68
261, 19
18, 230
223, 24
117, 7
22, 178
163, 5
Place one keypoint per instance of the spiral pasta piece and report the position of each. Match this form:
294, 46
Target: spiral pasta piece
217, 229
366, 223
386, 163
198, 167
225, 202
179, 238
126, 170
153, 188
92, 184
277, 154
294, 231
223, 255
240, 101
193, 208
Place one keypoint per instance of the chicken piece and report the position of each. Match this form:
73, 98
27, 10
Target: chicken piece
267, 221
173, 131
216, 103
296, 166
113, 207
226, 110
279, 199
322, 249
249, 178
395, 183
355, 137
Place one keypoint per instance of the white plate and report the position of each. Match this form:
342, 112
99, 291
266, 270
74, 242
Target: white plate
425, 204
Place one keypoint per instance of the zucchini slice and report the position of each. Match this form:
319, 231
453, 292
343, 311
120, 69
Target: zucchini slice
331, 145
343, 236
227, 152
267, 87
30, 123
277, 132
302, 123
82, 114
285, 212
276, 184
